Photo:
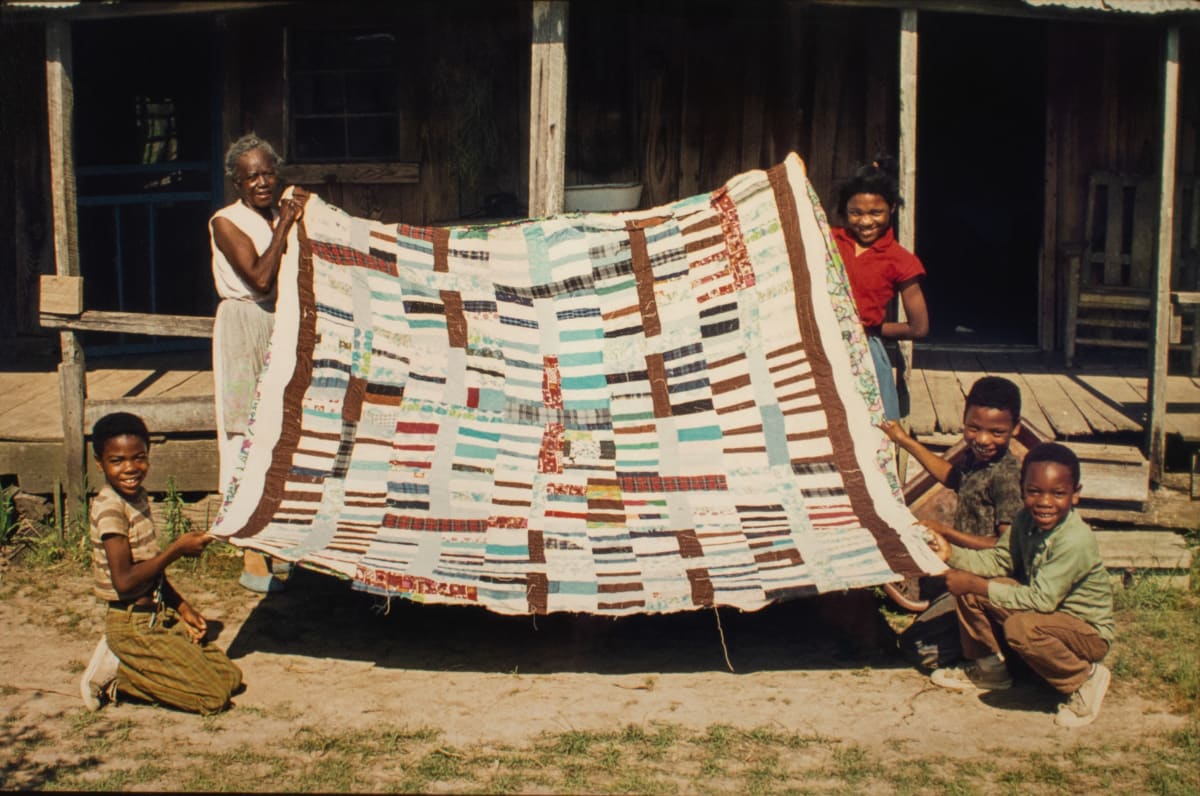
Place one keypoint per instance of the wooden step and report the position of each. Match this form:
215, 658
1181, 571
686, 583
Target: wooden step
1160, 550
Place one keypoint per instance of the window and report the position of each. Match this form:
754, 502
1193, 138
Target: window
344, 96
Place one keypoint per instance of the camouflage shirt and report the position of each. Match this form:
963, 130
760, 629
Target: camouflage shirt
989, 493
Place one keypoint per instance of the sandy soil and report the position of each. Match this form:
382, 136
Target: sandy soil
322, 655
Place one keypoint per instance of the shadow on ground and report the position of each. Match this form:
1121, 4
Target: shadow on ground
323, 617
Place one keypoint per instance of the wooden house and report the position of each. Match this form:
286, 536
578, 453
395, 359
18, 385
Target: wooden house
1049, 148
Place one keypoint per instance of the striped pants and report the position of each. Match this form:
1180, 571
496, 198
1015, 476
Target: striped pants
160, 663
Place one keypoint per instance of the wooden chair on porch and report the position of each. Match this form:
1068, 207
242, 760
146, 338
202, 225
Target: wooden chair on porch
1110, 300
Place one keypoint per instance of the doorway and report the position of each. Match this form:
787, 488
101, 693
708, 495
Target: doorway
148, 174
980, 176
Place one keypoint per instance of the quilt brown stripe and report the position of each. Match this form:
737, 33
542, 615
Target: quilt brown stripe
537, 592
293, 394
644, 276
352, 403
886, 538
441, 250
656, 374
456, 320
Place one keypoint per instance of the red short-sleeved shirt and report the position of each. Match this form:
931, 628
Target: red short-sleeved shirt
875, 273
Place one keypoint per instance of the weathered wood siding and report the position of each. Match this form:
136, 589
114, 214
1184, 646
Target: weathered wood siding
26, 234
683, 96
1104, 99
480, 44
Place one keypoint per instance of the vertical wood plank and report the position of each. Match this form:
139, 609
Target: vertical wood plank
60, 102
547, 107
907, 234
1155, 442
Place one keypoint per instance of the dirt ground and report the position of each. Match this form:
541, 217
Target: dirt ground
322, 655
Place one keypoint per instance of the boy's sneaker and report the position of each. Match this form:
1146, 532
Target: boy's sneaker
99, 676
972, 677
1084, 705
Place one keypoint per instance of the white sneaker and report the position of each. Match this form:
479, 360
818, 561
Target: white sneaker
972, 677
98, 677
1083, 706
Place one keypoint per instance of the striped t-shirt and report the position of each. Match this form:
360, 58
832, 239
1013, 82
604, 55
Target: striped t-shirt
113, 514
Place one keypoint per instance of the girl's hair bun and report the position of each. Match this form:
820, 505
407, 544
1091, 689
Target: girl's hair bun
880, 176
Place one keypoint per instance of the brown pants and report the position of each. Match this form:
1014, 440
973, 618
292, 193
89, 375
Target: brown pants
160, 663
1059, 647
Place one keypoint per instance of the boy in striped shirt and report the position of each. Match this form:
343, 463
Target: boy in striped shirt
155, 648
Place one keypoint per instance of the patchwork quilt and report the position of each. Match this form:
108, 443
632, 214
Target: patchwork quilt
638, 412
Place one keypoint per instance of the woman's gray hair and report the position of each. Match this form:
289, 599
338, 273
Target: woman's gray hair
247, 143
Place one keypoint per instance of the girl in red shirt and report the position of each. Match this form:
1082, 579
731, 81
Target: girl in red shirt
878, 268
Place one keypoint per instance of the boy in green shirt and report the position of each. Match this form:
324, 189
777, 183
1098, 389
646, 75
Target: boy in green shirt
1043, 589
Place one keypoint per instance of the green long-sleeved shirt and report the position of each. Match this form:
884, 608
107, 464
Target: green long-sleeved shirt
1056, 570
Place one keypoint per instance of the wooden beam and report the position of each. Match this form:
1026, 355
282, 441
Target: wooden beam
1155, 442
132, 323
38, 465
162, 415
548, 108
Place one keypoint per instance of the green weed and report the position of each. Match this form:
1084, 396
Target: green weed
8, 514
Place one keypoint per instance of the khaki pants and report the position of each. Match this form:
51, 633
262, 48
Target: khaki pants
160, 663
1059, 647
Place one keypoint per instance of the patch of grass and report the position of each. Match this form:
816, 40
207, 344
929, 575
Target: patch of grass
8, 514
1159, 645
852, 764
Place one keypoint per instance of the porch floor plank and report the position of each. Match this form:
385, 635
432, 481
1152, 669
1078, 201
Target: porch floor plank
1117, 388
1102, 412
176, 383
1058, 407
19, 389
967, 369
921, 416
945, 393
112, 383
1003, 365
36, 415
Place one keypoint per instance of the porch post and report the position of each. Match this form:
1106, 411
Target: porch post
1155, 443
60, 100
548, 108
907, 233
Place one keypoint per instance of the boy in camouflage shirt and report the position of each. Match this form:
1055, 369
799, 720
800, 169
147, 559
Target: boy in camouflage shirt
988, 483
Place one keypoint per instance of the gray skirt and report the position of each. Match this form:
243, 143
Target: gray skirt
241, 335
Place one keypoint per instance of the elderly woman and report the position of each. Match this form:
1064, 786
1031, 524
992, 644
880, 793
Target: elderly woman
248, 240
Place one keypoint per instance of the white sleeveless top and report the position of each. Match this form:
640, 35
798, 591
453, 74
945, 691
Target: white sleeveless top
230, 284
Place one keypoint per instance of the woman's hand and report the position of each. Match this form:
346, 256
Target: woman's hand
290, 211
195, 624
291, 207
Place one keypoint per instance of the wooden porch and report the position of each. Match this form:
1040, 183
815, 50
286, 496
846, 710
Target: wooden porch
1098, 408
